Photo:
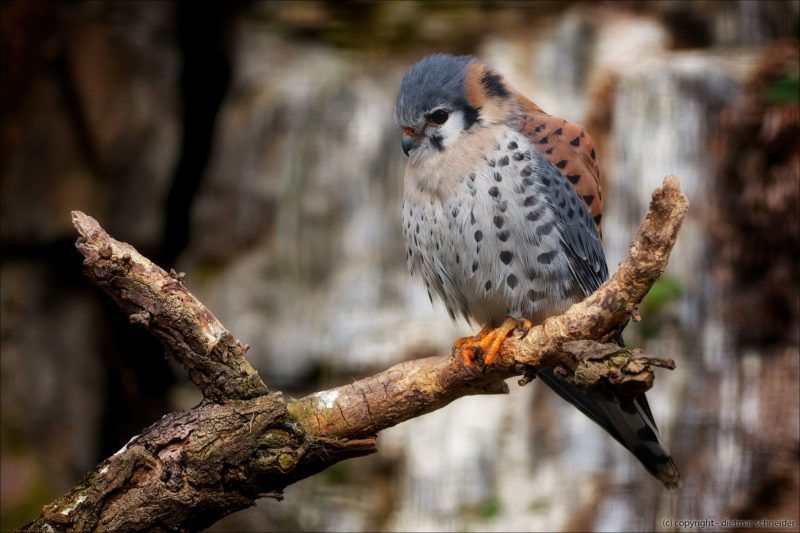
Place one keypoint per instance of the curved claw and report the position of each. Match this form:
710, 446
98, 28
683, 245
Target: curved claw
470, 368
472, 356
524, 325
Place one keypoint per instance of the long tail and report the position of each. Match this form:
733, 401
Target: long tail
628, 420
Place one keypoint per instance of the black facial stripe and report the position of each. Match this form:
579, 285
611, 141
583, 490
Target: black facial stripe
471, 116
436, 141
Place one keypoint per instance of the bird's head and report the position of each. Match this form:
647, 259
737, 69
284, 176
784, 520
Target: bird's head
442, 97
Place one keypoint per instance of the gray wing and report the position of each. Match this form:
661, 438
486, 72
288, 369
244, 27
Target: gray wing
628, 420
579, 239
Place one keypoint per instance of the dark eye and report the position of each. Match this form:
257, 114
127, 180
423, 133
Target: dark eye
439, 116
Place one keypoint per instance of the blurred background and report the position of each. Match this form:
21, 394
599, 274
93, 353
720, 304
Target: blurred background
251, 146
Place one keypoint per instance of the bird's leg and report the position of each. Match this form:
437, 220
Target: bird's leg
488, 341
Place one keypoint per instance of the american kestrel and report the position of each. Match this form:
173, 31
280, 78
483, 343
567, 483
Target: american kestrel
501, 220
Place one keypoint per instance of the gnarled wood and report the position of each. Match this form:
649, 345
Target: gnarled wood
193, 467
152, 298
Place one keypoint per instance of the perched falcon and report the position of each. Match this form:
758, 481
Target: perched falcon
501, 220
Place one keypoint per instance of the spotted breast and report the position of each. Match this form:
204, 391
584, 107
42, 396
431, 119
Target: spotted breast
496, 241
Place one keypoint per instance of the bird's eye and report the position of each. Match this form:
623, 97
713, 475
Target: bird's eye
439, 116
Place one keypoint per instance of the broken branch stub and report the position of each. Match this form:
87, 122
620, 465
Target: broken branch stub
214, 360
598, 364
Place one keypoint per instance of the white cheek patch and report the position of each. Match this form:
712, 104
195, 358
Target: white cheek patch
451, 130
447, 135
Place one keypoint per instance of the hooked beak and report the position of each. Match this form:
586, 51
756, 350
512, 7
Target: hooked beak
409, 140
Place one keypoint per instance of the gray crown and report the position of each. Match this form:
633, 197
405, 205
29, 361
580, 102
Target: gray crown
435, 81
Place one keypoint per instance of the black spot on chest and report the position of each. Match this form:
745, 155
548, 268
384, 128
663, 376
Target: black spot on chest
534, 296
535, 215
546, 258
545, 229
512, 281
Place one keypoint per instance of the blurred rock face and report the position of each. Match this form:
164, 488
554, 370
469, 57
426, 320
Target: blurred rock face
95, 127
758, 185
89, 121
295, 243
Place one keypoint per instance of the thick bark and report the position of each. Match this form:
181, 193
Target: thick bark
193, 467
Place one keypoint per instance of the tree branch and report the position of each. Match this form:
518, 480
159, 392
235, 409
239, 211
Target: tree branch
193, 467
154, 299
